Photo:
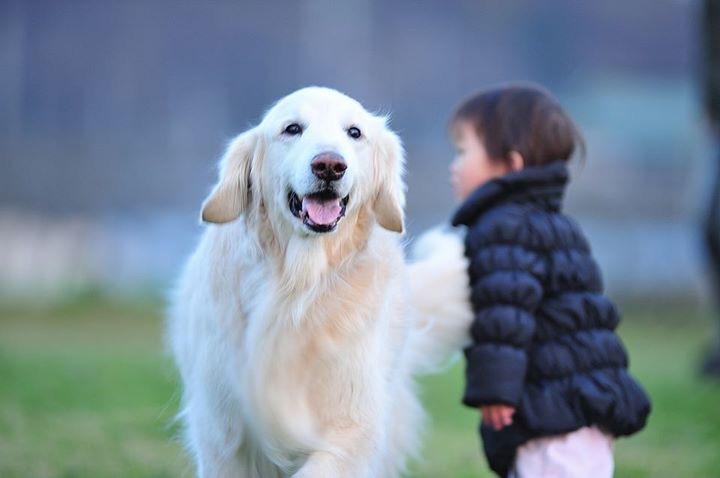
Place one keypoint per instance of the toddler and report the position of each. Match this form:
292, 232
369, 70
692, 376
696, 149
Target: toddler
545, 366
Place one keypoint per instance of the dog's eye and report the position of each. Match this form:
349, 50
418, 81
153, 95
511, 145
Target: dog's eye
293, 129
354, 132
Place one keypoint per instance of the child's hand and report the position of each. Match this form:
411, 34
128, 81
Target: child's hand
498, 416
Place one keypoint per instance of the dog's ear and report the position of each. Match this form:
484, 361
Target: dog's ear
231, 195
390, 163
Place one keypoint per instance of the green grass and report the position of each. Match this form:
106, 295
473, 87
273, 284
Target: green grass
86, 391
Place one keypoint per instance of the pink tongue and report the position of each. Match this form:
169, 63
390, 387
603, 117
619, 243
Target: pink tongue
320, 212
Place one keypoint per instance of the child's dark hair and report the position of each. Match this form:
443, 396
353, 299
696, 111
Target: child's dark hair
523, 118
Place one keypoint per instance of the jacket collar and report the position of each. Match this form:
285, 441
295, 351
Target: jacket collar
543, 186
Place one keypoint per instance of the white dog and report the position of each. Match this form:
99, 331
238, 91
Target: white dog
297, 325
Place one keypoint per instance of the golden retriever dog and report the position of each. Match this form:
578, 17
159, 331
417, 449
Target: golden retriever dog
297, 325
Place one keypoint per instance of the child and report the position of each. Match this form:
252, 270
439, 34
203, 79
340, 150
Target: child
545, 366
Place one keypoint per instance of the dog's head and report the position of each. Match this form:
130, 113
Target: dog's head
316, 157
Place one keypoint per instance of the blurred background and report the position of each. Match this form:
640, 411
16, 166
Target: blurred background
112, 117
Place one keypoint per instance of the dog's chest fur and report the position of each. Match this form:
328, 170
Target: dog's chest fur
305, 352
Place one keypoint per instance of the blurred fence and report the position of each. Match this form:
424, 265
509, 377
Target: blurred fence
113, 113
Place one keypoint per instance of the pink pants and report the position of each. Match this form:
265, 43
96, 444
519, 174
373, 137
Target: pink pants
585, 453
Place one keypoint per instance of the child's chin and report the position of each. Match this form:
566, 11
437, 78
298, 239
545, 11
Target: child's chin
460, 195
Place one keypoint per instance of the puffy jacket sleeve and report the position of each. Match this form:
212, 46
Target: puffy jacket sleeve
506, 291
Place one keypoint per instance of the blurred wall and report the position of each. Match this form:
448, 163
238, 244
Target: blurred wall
112, 115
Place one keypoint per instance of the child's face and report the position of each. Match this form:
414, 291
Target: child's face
472, 165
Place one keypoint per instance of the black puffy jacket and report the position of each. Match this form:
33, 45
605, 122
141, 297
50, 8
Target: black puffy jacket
543, 334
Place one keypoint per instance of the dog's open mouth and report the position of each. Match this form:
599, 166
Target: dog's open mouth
319, 211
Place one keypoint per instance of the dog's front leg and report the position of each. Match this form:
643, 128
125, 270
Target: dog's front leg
326, 464
322, 463
355, 455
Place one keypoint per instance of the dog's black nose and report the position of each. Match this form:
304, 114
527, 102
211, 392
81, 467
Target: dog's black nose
328, 166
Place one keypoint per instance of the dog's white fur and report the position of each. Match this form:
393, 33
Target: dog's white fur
297, 350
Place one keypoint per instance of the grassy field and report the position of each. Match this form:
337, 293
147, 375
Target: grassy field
86, 391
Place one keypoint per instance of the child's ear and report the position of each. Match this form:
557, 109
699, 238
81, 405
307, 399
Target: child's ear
517, 162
